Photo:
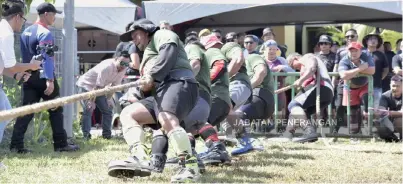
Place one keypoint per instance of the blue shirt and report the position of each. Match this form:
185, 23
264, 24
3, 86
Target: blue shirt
33, 36
346, 64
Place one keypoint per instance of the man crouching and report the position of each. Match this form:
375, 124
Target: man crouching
168, 80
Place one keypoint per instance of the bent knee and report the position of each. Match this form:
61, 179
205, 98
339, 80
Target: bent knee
168, 118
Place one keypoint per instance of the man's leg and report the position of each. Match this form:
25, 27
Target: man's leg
397, 122
239, 94
4, 105
86, 117
102, 104
29, 96
132, 117
56, 122
159, 149
340, 110
174, 102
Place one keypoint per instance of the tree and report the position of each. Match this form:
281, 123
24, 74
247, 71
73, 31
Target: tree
362, 30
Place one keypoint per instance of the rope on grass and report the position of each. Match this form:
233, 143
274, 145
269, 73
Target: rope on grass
51, 104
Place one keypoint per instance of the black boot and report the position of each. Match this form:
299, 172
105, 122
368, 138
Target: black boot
158, 162
310, 135
216, 154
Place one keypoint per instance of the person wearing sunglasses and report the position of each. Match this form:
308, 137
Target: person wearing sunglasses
250, 45
109, 72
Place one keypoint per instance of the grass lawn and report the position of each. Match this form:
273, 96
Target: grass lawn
280, 162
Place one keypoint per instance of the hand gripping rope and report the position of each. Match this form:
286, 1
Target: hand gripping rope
51, 104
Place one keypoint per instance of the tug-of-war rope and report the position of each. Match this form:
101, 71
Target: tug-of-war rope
51, 104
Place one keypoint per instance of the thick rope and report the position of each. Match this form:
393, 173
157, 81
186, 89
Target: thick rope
38, 107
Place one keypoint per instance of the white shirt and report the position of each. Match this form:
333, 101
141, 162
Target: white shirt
7, 54
101, 75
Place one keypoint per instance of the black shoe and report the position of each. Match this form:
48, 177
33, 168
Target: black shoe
310, 135
216, 154
107, 137
129, 168
175, 161
68, 148
158, 162
21, 150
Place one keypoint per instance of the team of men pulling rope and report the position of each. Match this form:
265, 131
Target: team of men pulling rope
184, 91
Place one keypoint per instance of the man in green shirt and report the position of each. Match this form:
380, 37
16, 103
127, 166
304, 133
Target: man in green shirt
240, 88
196, 122
261, 105
168, 81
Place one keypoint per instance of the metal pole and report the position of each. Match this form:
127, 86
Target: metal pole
68, 64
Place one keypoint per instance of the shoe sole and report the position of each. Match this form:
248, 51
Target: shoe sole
307, 140
119, 171
217, 163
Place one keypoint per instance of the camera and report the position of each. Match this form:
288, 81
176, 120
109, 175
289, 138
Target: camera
49, 49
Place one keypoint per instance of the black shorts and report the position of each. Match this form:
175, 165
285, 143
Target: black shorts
306, 99
219, 111
177, 97
149, 105
259, 107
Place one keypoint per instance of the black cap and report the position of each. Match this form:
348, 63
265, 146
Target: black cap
325, 39
231, 35
143, 24
47, 7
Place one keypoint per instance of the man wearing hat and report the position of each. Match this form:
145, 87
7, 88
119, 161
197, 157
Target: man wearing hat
268, 34
349, 67
372, 42
204, 32
350, 36
42, 84
328, 57
169, 83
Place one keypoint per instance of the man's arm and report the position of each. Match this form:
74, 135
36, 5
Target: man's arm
8, 56
216, 70
195, 63
168, 53
134, 56
310, 69
396, 66
237, 60
385, 65
260, 73
285, 66
48, 61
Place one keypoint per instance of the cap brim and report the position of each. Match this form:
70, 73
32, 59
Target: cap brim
59, 12
207, 46
126, 37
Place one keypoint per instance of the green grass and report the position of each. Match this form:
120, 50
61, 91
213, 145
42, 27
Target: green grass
280, 162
